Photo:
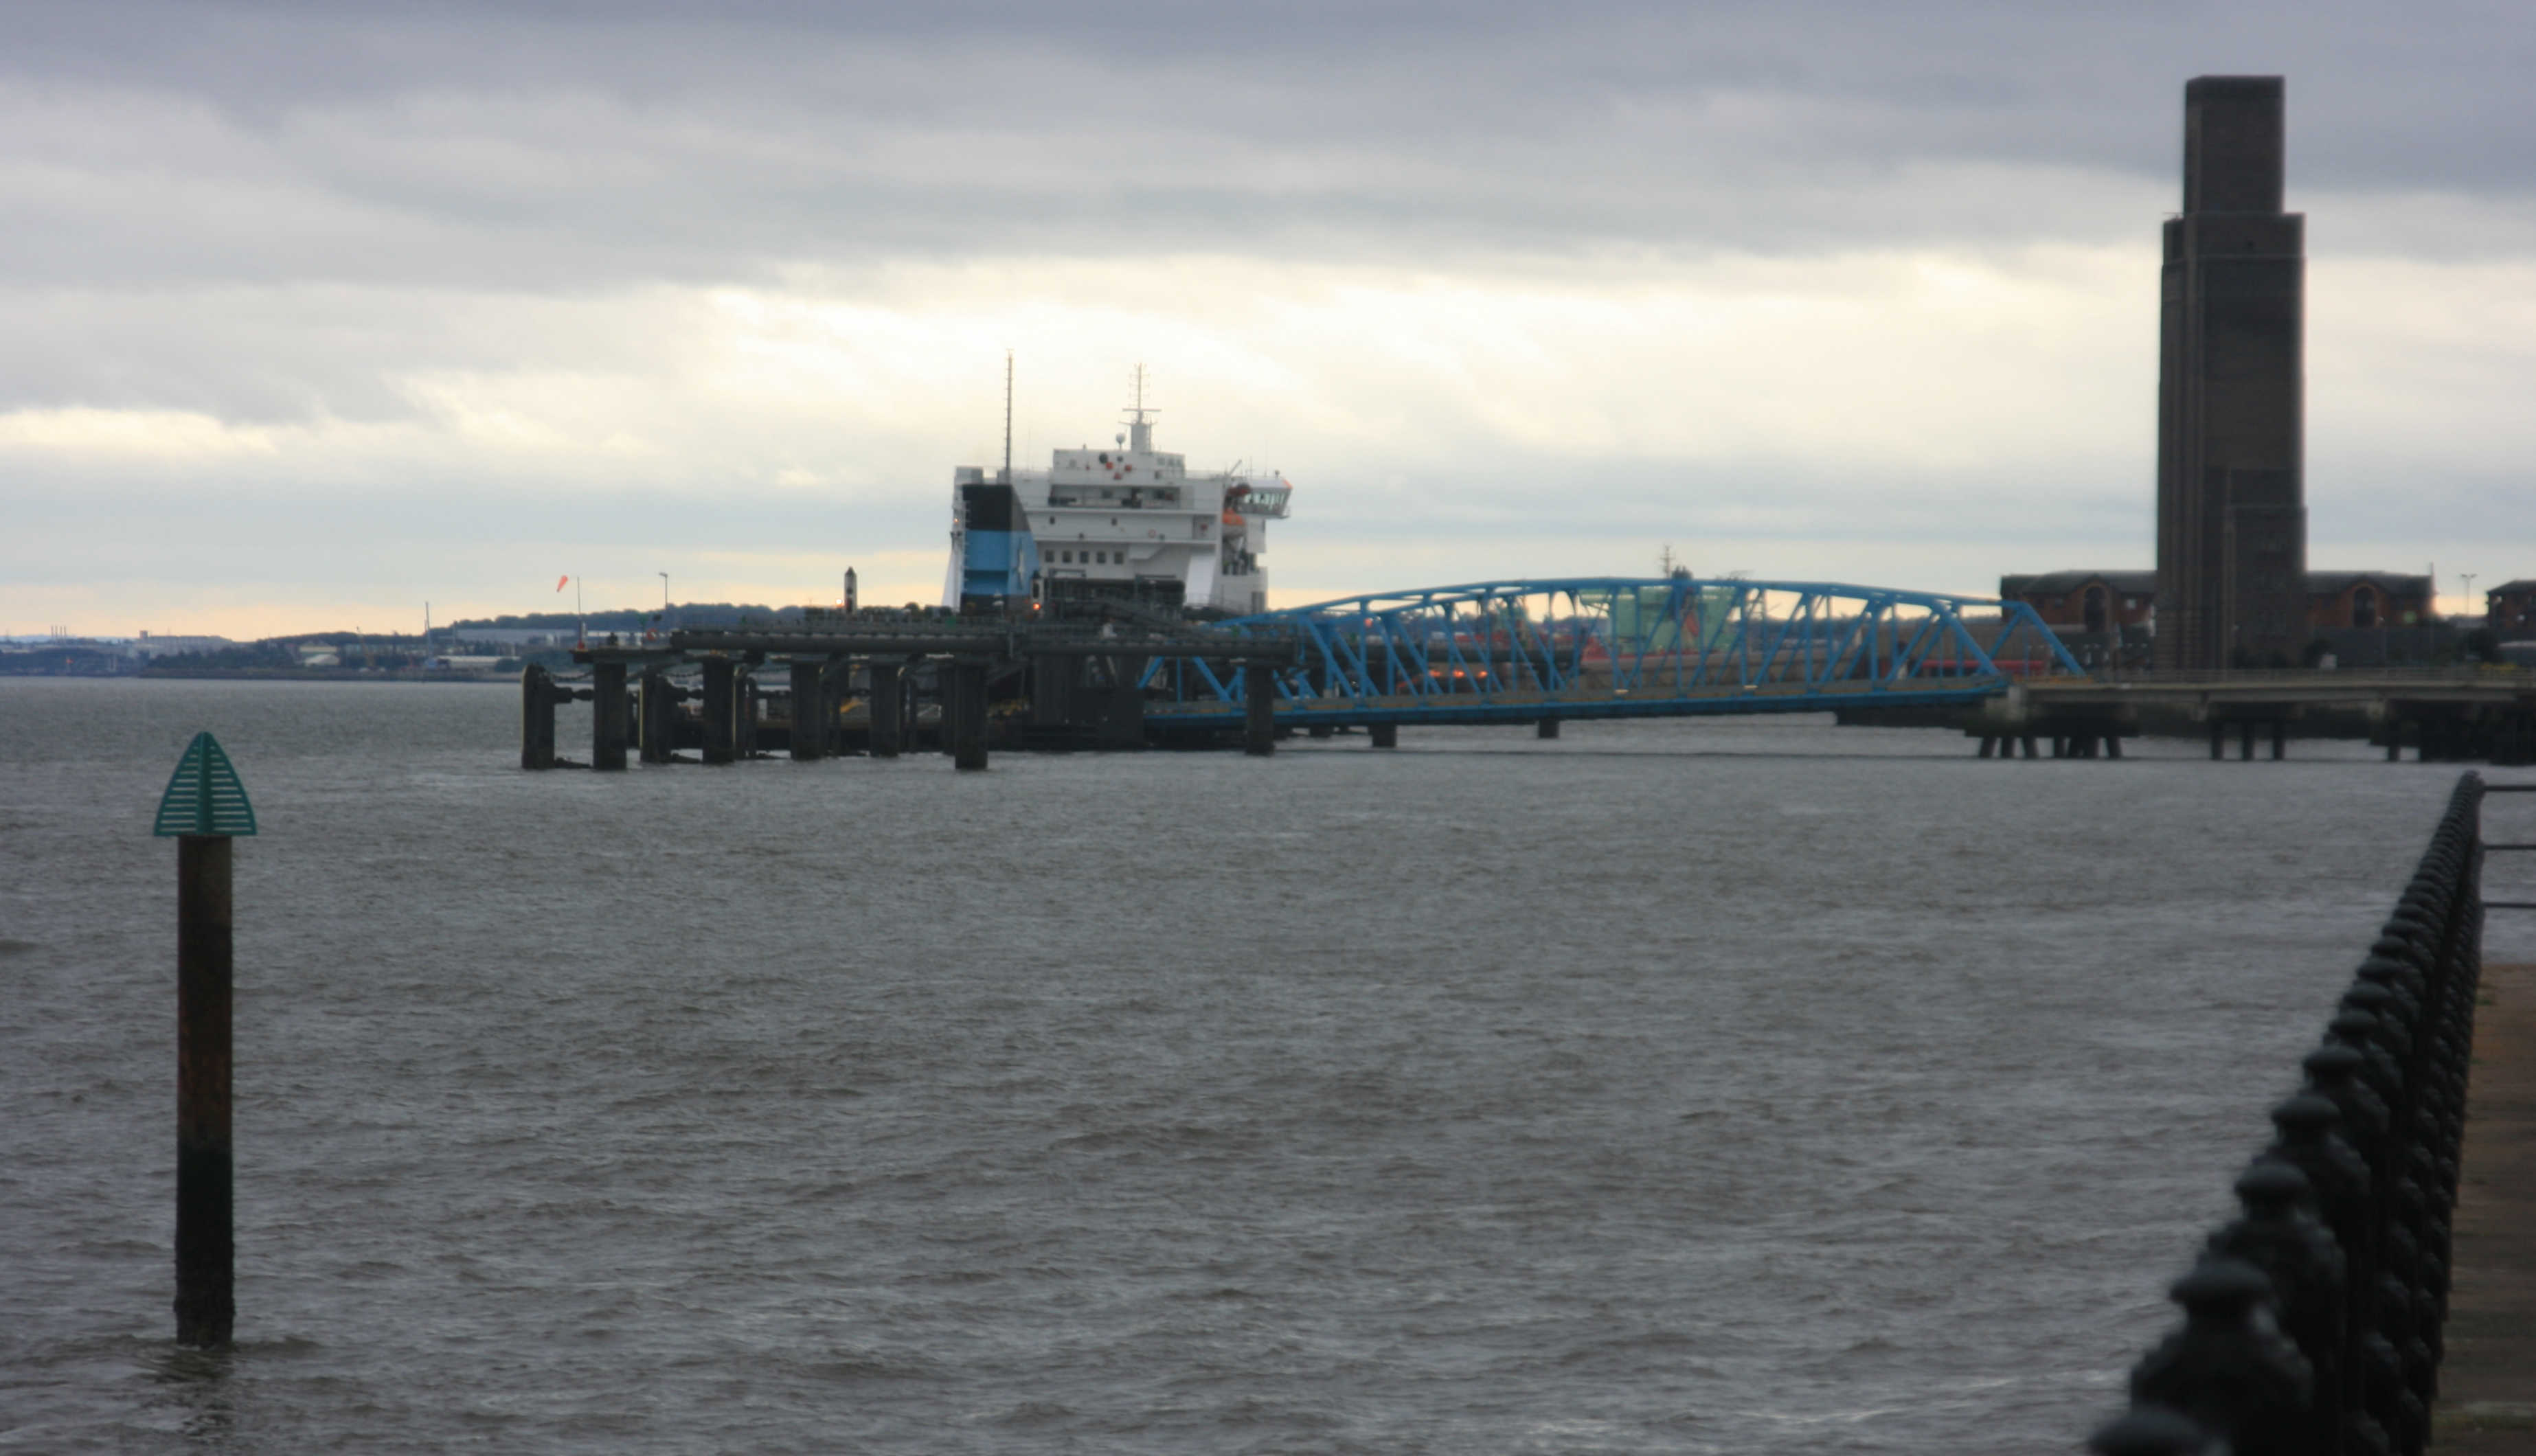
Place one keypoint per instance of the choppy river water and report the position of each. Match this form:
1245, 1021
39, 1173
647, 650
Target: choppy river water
1739, 1086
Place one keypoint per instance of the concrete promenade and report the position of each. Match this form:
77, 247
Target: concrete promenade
2488, 1380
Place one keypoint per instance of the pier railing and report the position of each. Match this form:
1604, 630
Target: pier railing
2313, 1321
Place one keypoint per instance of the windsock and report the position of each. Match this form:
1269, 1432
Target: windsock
561, 582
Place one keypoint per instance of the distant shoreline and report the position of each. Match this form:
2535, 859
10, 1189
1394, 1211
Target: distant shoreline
286, 674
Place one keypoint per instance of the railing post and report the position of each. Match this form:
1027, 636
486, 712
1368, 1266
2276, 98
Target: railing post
2372, 1145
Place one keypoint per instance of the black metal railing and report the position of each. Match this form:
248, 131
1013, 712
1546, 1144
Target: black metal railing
2313, 1320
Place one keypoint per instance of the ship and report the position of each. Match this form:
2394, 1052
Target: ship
1127, 522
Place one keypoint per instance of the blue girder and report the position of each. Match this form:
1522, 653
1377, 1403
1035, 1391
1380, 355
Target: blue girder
1620, 647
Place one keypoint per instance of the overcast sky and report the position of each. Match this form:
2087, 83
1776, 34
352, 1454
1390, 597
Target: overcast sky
312, 313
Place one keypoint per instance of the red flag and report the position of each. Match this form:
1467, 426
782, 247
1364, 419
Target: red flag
561, 582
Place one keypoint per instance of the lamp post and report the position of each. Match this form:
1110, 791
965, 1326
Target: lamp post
2467, 577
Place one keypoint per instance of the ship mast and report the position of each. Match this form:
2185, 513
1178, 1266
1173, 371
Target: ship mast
1140, 430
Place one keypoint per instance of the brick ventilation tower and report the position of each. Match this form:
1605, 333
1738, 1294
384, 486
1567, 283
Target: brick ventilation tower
2231, 491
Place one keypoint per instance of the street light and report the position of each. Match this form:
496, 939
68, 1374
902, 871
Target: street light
2467, 577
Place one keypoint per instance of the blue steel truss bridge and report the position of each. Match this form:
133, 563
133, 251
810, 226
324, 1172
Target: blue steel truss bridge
1613, 646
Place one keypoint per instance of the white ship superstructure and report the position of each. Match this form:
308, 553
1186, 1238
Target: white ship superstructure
1129, 521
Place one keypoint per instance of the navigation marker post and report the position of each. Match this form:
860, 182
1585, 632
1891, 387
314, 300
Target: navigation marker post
204, 808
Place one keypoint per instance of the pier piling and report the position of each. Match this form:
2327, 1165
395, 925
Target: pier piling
608, 716
1384, 734
1547, 727
538, 695
809, 711
1259, 710
654, 706
887, 698
722, 711
968, 713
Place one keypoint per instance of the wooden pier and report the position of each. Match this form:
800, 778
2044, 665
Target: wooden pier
883, 683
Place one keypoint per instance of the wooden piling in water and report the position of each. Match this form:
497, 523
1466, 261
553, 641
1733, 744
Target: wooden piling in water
538, 697
967, 709
721, 711
888, 697
206, 1245
655, 708
1258, 710
1547, 727
1384, 734
810, 713
607, 715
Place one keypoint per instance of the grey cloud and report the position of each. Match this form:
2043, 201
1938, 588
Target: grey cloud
563, 147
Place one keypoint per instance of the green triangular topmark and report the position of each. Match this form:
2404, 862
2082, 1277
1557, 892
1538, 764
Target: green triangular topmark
205, 795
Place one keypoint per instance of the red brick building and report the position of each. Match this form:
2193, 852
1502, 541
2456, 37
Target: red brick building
2509, 610
2366, 599
2101, 600
2086, 600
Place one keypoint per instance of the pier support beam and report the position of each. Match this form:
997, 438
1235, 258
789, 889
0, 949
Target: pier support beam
722, 711
887, 697
2030, 749
968, 715
1989, 746
2246, 742
2218, 740
810, 713
1385, 734
1258, 710
1547, 727
2280, 739
655, 711
608, 716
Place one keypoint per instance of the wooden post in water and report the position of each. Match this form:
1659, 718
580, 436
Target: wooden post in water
204, 808
1547, 727
887, 697
809, 710
655, 708
1384, 734
537, 718
966, 711
721, 712
608, 717
1258, 710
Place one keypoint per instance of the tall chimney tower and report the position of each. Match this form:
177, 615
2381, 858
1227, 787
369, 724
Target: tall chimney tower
2231, 326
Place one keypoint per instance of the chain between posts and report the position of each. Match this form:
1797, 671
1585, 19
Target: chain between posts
2313, 1321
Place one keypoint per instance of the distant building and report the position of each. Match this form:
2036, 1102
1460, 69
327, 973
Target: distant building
2360, 617
2086, 600
2360, 600
2509, 610
2231, 491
